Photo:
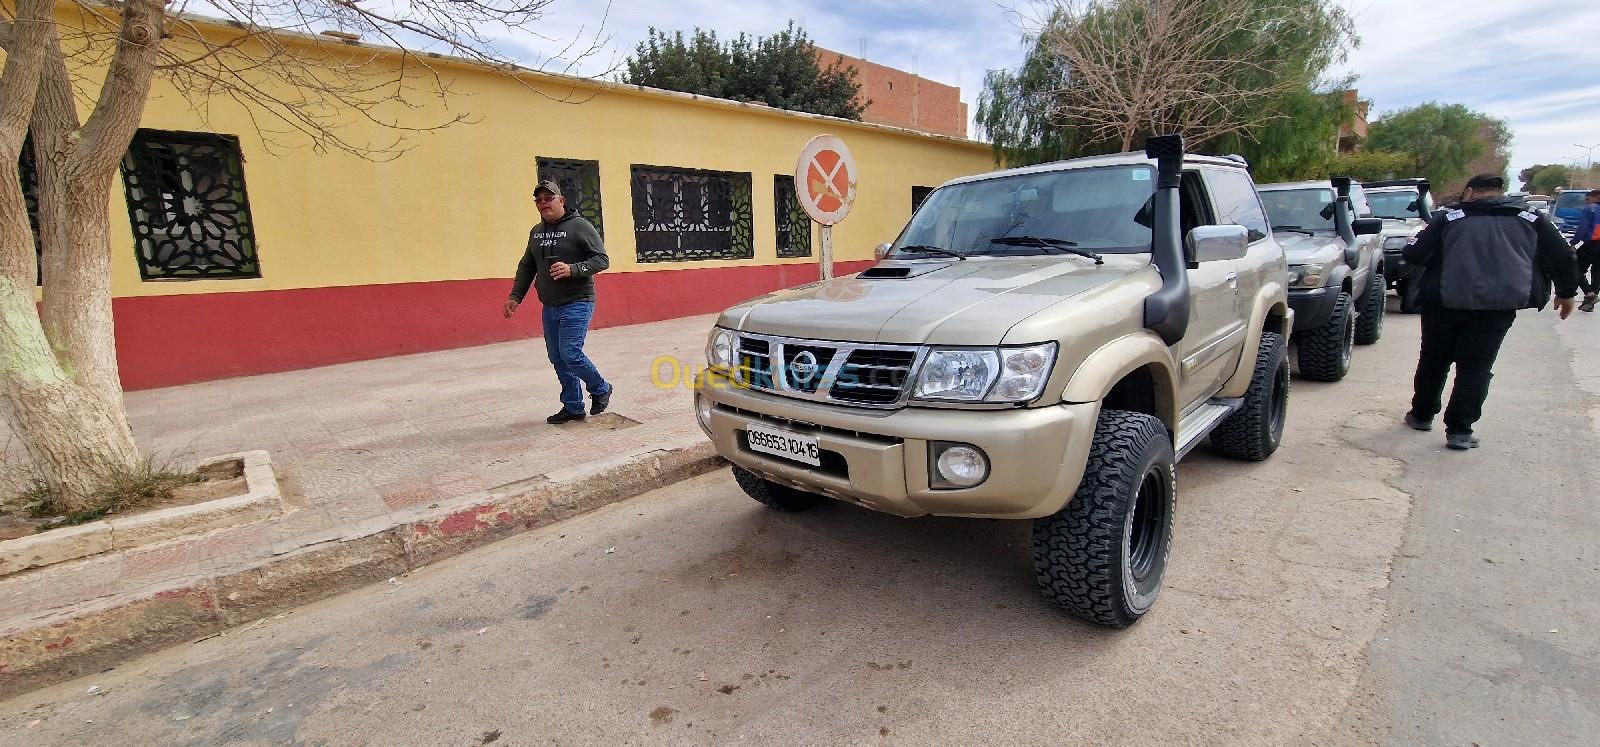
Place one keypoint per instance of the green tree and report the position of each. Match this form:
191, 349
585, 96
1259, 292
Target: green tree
1369, 165
1442, 139
781, 70
1548, 178
1100, 75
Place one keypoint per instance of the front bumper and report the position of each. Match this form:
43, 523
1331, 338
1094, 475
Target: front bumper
879, 459
1313, 307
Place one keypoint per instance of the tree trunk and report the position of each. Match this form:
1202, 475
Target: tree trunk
73, 438
59, 385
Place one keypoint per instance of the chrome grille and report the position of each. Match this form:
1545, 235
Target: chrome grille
873, 377
805, 365
845, 373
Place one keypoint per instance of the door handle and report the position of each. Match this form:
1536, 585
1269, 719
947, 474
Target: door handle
1233, 279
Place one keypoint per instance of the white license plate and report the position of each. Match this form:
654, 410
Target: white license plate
792, 446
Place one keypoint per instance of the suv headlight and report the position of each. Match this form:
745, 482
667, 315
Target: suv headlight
719, 348
1394, 243
1009, 374
1305, 276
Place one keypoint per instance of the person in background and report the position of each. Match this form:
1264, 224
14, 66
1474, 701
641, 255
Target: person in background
1587, 241
1483, 259
564, 254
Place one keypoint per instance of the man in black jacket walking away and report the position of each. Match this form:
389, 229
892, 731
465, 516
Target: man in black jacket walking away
1483, 259
564, 253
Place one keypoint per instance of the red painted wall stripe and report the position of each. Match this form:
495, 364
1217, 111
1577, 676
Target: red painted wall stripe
171, 340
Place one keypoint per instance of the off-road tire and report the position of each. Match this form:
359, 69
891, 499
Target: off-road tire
1325, 352
1101, 558
772, 495
1369, 320
1255, 431
1403, 288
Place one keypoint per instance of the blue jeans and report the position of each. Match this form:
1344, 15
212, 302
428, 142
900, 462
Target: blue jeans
564, 330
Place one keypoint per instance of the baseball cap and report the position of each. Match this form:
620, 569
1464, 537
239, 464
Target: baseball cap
1483, 181
548, 185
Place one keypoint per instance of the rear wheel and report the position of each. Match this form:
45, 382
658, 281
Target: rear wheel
1255, 431
1325, 352
1101, 558
772, 495
1406, 287
1369, 322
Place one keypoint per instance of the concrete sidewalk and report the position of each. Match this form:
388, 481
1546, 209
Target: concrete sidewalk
362, 448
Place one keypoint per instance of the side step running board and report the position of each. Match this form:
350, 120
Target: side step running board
1198, 424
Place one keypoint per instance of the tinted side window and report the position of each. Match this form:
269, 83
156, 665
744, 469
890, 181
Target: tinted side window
1237, 204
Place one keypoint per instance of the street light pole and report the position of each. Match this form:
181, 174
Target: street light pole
1588, 158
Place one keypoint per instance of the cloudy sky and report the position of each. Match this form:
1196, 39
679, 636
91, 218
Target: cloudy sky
1535, 63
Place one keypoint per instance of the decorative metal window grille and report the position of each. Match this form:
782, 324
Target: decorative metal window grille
794, 226
681, 215
580, 185
918, 194
188, 207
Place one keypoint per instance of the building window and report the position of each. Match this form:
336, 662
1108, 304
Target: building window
682, 215
188, 207
918, 194
794, 226
580, 185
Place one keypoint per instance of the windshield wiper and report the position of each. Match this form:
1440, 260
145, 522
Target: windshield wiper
1296, 229
1038, 242
926, 249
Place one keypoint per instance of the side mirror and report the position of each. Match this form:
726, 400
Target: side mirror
1213, 243
1368, 226
882, 251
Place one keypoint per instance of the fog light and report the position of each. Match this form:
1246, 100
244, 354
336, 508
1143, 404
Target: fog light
958, 465
702, 412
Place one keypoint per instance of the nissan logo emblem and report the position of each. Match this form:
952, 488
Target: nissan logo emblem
803, 367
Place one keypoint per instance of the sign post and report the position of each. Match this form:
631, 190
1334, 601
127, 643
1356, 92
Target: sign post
825, 183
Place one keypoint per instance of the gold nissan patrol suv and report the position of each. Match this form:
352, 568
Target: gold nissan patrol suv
1040, 343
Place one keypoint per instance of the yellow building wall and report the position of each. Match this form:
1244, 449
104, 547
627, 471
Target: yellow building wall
457, 205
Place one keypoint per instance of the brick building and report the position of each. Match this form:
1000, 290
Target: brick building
1353, 130
900, 99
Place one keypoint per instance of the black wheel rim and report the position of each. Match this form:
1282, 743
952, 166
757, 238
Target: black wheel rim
1280, 401
1149, 530
1349, 343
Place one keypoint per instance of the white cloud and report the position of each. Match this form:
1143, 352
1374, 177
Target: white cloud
1532, 62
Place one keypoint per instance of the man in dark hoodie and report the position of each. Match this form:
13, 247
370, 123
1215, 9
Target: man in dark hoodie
564, 253
1483, 259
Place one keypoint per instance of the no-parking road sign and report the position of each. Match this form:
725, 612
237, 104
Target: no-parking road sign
825, 179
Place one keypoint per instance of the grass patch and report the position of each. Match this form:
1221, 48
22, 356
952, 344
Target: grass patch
144, 485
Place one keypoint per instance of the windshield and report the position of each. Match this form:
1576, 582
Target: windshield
1300, 208
1093, 209
1397, 205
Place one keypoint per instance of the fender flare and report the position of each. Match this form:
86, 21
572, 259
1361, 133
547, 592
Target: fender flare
1269, 302
1106, 366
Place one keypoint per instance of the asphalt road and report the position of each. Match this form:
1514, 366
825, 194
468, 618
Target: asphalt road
1363, 586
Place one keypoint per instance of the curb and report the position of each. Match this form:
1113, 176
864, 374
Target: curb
112, 632
260, 501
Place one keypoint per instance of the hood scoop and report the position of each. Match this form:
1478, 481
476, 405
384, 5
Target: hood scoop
900, 271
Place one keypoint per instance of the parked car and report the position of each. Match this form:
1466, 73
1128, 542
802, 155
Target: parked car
1039, 343
1568, 209
1404, 205
1335, 273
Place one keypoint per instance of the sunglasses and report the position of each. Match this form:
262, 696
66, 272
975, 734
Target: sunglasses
545, 198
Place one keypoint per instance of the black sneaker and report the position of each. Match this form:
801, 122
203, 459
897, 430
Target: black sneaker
1587, 305
1460, 441
1418, 423
565, 416
601, 402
